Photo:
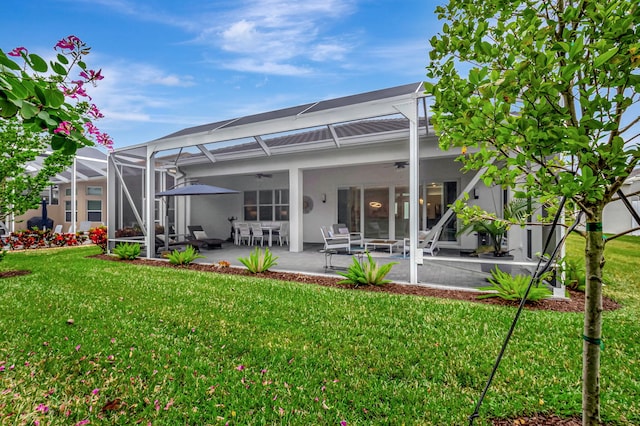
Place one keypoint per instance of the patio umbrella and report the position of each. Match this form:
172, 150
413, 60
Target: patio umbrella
195, 189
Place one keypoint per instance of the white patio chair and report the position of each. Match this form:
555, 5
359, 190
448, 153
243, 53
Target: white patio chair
332, 242
244, 233
57, 229
256, 233
341, 230
427, 241
283, 233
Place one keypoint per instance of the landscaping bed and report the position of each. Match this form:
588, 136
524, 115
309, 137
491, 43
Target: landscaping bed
575, 302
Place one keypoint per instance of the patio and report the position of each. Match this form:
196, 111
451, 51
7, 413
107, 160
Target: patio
312, 260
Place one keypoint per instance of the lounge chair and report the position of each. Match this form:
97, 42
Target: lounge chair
341, 230
428, 241
197, 233
333, 242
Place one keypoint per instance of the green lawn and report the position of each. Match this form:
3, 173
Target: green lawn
183, 347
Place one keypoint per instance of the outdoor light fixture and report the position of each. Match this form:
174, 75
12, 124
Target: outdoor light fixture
375, 204
324, 197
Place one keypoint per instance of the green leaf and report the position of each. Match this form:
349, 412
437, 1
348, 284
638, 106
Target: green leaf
44, 116
62, 59
58, 69
28, 110
70, 147
57, 142
7, 109
40, 94
605, 57
4, 60
37, 63
18, 89
55, 98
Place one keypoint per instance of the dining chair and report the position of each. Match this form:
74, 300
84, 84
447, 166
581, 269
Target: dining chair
244, 233
256, 233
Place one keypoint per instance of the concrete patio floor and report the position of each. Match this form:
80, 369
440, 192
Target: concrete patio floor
459, 275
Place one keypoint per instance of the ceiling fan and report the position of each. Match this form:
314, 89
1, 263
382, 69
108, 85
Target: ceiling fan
263, 175
401, 164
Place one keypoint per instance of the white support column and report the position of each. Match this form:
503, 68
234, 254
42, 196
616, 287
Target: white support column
295, 210
410, 110
112, 217
74, 199
150, 196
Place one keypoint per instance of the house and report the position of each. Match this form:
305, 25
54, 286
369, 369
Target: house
369, 160
616, 217
87, 179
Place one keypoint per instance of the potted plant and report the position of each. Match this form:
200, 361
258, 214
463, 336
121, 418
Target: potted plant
514, 212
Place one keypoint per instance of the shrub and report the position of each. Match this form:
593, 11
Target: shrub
127, 251
510, 287
98, 236
184, 257
367, 272
574, 275
259, 261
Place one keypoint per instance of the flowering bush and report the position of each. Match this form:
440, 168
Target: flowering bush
98, 236
36, 238
47, 96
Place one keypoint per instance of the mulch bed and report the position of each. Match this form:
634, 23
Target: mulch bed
574, 304
16, 273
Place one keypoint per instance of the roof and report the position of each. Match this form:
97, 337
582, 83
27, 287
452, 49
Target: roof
310, 108
91, 163
333, 123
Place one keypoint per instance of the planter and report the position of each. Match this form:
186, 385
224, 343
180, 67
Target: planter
487, 267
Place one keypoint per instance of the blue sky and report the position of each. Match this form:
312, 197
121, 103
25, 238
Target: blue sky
171, 64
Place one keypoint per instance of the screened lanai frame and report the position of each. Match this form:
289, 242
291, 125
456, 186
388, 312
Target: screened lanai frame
329, 124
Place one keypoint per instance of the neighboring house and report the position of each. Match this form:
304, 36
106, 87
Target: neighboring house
369, 160
90, 181
616, 217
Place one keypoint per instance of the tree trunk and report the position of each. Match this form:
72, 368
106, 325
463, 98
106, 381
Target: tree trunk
592, 333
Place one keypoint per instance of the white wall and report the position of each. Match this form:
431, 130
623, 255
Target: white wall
324, 173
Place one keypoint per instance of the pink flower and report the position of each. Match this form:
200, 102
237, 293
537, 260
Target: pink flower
95, 391
1, 367
343, 423
69, 43
240, 367
95, 112
42, 408
77, 347
65, 127
91, 75
82, 422
105, 140
18, 51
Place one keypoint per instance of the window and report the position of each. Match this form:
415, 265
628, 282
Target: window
94, 190
266, 205
94, 210
54, 195
67, 211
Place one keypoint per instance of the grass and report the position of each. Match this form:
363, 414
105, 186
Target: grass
184, 347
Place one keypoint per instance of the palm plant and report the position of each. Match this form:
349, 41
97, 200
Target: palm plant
514, 212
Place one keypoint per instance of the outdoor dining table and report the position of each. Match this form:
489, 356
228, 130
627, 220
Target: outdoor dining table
269, 228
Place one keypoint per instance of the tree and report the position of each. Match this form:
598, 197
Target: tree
20, 191
551, 91
43, 107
